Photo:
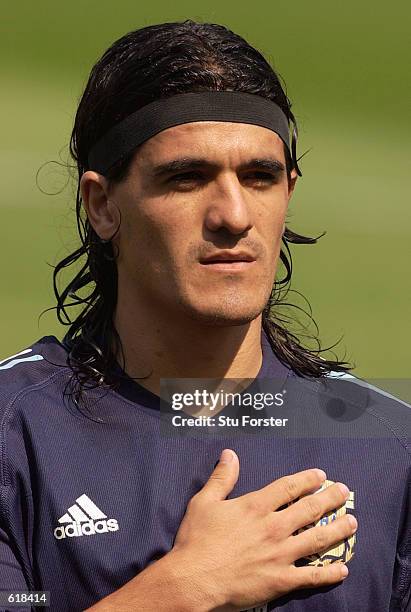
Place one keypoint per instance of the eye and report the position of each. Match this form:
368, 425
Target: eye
186, 177
264, 177
256, 177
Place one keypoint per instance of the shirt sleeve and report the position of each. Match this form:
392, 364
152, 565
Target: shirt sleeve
12, 573
401, 591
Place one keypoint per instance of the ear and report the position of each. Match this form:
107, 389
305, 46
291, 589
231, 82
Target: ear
102, 213
291, 185
292, 182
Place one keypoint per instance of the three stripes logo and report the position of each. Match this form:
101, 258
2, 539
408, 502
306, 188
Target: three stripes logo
13, 360
84, 518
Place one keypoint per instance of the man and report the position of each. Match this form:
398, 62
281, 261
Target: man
186, 171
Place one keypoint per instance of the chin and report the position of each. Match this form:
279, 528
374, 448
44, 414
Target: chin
224, 318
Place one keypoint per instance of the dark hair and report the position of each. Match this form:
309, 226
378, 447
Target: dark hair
154, 62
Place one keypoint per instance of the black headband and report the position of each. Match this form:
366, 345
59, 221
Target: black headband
230, 106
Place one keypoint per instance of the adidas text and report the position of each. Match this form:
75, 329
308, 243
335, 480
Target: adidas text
85, 528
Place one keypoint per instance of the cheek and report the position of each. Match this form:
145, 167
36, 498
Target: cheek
153, 239
270, 223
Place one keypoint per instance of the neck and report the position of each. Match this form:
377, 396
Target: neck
156, 345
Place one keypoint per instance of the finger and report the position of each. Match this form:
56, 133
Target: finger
321, 538
223, 478
311, 576
312, 508
289, 488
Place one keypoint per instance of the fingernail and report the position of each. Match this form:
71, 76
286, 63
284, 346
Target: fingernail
226, 456
344, 571
321, 473
353, 521
343, 488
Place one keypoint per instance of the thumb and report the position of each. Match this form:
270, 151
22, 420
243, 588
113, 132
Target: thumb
224, 476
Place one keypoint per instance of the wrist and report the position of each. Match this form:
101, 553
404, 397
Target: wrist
192, 587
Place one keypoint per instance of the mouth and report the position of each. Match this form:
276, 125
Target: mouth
237, 265
229, 261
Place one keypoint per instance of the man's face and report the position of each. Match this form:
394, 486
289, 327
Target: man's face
172, 221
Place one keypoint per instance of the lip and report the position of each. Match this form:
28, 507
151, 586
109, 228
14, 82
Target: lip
229, 266
228, 256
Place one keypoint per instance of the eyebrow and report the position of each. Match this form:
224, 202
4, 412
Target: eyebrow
189, 163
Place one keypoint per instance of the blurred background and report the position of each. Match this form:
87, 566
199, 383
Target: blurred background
346, 68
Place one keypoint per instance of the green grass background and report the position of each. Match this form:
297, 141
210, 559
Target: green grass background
346, 67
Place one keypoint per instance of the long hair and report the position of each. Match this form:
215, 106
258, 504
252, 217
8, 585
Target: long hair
144, 65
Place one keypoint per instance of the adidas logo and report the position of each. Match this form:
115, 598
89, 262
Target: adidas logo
84, 518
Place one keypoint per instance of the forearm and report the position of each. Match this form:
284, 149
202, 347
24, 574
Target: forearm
167, 585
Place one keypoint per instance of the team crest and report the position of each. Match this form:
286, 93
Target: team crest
342, 551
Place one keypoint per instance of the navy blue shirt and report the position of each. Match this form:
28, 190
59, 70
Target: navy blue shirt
90, 498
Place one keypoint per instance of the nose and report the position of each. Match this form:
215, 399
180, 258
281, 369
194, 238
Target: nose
228, 207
